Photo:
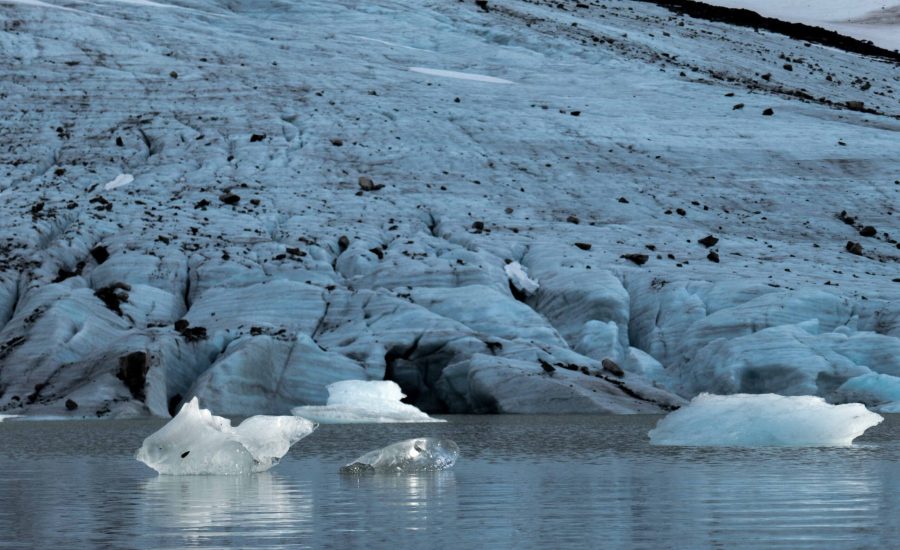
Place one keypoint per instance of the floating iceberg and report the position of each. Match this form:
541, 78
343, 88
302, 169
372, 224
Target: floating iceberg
5, 416
196, 442
423, 454
745, 420
360, 401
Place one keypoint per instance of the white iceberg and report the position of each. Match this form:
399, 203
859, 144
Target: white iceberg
422, 454
520, 279
5, 416
196, 442
756, 420
360, 402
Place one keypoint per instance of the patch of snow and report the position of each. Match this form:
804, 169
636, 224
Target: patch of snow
424, 454
119, 181
362, 402
762, 420
520, 279
460, 76
197, 442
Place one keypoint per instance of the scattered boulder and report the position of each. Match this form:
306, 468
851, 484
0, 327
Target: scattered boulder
768, 112
639, 259
366, 184
573, 219
584, 246
713, 256
71, 405
612, 367
868, 231
708, 241
855, 105
100, 254
257, 137
113, 296
854, 248
229, 198
343, 243
133, 372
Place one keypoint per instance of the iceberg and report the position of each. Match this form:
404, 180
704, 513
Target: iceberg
424, 454
197, 442
5, 416
360, 402
757, 420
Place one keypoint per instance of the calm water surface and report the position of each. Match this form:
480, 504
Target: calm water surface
523, 482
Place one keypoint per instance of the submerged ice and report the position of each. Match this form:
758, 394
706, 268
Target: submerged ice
197, 442
413, 455
745, 420
360, 401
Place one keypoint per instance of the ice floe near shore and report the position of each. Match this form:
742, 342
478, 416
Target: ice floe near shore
361, 402
197, 442
744, 420
422, 454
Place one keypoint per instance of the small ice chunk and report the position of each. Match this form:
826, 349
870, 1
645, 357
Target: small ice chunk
361, 401
5, 416
423, 454
196, 442
745, 420
121, 179
520, 279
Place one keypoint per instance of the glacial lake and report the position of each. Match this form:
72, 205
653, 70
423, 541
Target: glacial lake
520, 482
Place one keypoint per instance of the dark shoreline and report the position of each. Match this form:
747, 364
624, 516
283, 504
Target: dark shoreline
799, 31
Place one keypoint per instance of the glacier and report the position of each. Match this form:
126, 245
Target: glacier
616, 230
424, 454
197, 442
363, 402
762, 420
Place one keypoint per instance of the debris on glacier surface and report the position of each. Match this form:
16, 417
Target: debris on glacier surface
422, 454
519, 278
197, 442
761, 420
362, 402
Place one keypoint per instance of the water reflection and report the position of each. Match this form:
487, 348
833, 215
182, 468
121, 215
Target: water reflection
520, 482
223, 510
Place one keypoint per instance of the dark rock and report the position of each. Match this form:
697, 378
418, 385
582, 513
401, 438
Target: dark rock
114, 296
639, 259
623, 200
738, 107
343, 243
337, 142
37, 207
173, 74
133, 372
184, 454
854, 248
366, 184
378, 252
868, 231
482, 4
713, 256
768, 112
202, 203
575, 113
611, 366
573, 219
584, 246
71, 405
855, 105
548, 368
708, 241
229, 198
680, 212
100, 254
119, 142
257, 137
478, 226
181, 325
